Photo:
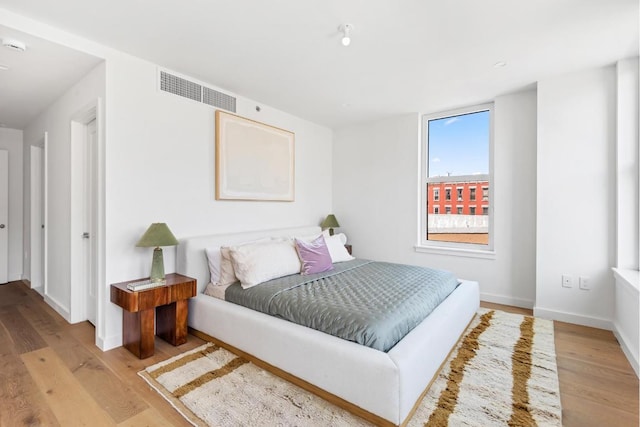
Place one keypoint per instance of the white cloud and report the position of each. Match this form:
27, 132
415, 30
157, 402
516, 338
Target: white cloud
436, 160
451, 121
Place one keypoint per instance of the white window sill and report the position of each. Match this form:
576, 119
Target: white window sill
469, 253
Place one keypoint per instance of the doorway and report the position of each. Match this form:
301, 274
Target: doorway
87, 219
37, 217
4, 216
90, 203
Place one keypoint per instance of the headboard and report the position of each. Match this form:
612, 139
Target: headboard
192, 260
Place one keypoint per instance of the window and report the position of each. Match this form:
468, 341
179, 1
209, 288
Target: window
436, 194
436, 210
456, 154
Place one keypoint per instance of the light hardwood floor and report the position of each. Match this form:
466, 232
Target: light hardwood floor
52, 374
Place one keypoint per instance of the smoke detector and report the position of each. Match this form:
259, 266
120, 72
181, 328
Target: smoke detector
14, 44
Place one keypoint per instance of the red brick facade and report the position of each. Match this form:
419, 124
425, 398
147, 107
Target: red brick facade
458, 196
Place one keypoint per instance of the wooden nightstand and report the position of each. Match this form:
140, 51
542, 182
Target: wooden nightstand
167, 303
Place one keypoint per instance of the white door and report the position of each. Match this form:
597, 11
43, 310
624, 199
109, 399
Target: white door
90, 211
4, 216
37, 217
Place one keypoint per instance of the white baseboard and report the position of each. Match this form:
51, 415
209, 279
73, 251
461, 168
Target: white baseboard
39, 289
633, 359
109, 342
59, 308
578, 319
505, 300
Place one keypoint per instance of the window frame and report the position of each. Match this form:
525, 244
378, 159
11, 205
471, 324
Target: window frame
454, 248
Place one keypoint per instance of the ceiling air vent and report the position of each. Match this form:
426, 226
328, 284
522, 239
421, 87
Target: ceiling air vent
179, 86
218, 99
188, 89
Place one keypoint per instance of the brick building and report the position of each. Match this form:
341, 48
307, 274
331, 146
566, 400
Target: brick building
458, 195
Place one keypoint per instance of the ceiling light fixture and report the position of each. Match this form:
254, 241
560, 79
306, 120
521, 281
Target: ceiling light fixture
14, 44
346, 33
500, 64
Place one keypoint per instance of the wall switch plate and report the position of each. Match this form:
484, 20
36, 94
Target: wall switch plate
585, 283
567, 281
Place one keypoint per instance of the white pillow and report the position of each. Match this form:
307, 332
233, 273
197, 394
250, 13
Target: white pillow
227, 272
336, 248
257, 263
343, 238
325, 234
214, 259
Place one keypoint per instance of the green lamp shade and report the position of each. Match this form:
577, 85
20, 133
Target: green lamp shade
329, 222
158, 234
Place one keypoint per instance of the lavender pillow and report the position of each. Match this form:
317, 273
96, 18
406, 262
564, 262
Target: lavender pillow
314, 256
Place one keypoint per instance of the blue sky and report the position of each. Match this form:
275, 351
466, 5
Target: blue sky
459, 145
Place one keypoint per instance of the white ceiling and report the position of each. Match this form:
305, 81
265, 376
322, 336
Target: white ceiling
37, 77
405, 55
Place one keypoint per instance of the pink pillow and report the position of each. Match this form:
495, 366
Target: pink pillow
314, 256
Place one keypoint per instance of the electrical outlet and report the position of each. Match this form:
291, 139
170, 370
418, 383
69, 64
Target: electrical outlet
585, 283
567, 281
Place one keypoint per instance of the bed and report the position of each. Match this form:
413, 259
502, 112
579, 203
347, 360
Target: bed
383, 387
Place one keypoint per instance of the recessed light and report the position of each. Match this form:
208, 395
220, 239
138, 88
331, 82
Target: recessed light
14, 44
3, 67
500, 64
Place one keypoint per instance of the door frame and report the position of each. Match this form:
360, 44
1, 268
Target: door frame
77, 310
4, 253
37, 214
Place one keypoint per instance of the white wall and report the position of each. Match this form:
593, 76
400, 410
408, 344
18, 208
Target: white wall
56, 120
627, 165
576, 195
626, 321
376, 198
160, 156
159, 166
11, 140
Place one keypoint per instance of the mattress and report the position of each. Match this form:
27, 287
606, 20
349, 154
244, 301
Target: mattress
370, 303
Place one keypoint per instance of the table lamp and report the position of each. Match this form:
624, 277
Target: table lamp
329, 222
158, 234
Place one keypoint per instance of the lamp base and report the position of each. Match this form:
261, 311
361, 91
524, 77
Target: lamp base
331, 232
157, 266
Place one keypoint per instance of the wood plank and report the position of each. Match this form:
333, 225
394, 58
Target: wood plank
128, 366
66, 397
99, 381
148, 417
13, 293
579, 412
25, 338
597, 383
21, 403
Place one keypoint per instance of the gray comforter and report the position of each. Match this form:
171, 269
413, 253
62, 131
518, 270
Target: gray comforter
371, 303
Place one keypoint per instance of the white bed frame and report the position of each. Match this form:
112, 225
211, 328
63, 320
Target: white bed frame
386, 386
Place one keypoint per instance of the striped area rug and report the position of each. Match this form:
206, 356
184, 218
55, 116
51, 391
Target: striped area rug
502, 373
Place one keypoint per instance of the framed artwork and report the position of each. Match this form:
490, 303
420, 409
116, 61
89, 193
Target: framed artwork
254, 161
